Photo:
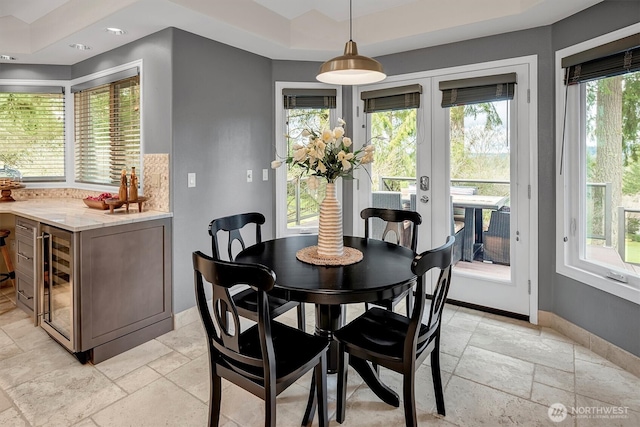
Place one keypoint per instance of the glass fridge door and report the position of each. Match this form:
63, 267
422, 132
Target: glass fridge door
58, 284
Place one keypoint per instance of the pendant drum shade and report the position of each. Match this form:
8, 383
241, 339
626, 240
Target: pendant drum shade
351, 68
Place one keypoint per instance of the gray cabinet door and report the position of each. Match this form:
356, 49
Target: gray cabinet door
125, 281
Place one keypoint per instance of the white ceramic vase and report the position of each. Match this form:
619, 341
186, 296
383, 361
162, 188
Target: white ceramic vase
330, 242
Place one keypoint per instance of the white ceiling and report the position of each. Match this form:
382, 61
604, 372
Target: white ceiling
40, 31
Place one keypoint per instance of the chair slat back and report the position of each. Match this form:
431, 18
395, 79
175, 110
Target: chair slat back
224, 340
439, 258
394, 222
232, 226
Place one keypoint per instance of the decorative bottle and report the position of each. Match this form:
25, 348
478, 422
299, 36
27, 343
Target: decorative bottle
122, 193
133, 186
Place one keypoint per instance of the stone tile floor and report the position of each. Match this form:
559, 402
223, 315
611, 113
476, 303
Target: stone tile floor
496, 371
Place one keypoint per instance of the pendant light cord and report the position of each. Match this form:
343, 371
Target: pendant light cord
351, 20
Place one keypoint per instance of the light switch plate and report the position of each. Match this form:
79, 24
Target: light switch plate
265, 174
191, 179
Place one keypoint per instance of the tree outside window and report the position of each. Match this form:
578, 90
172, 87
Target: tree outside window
32, 132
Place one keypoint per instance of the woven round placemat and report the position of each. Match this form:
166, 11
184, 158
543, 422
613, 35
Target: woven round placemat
310, 256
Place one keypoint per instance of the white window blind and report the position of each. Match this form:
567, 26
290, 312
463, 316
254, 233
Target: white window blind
32, 131
107, 130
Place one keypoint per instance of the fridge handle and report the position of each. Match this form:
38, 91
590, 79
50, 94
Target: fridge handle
39, 303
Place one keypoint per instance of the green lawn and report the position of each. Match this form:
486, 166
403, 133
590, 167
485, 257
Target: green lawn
632, 252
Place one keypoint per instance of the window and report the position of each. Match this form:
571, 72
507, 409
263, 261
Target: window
32, 131
600, 166
313, 107
107, 127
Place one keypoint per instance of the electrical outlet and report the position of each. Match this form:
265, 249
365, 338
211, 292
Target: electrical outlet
191, 179
265, 174
249, 175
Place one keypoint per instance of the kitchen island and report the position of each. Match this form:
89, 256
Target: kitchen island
99, 283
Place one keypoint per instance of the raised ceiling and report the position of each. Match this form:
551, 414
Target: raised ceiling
40, 31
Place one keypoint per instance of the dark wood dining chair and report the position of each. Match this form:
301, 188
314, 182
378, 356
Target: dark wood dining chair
246, 300
401, 226
401, 343
264, 359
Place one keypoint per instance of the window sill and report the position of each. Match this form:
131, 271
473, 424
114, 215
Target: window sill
610, 286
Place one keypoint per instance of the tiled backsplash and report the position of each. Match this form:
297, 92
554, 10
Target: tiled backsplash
156, 181
156, 186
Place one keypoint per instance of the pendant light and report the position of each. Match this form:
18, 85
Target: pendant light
351, 68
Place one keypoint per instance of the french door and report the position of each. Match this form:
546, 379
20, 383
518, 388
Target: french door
467, 171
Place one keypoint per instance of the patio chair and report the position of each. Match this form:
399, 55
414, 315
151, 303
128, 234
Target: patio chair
246, 300
457, 223
497, 238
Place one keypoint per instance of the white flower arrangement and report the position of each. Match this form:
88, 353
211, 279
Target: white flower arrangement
328, 155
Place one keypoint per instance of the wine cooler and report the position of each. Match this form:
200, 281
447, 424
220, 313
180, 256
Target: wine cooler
58, 290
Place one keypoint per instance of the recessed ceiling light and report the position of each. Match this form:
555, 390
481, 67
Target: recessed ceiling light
79, 46
115, 31
7, 58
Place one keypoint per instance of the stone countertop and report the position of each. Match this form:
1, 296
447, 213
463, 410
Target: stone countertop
74, 215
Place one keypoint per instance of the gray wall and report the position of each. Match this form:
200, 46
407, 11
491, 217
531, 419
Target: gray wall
34, 72
223, 124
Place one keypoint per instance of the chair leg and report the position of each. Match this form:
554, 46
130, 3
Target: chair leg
409, 397
215, 396
270, 405
321, 381
409, 302
376, 368
301, 318
310, 411
437, 379
341, 397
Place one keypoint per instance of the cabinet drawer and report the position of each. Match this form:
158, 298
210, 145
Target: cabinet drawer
25, 285
25, 256
26, 227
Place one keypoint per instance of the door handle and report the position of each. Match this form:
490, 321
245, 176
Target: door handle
424, 199
424, 183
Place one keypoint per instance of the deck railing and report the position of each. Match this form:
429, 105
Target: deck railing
301, 204
603, 217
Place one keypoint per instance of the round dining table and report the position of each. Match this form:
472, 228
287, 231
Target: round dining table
384, 272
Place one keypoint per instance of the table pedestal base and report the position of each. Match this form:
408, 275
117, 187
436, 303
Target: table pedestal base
330, 318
